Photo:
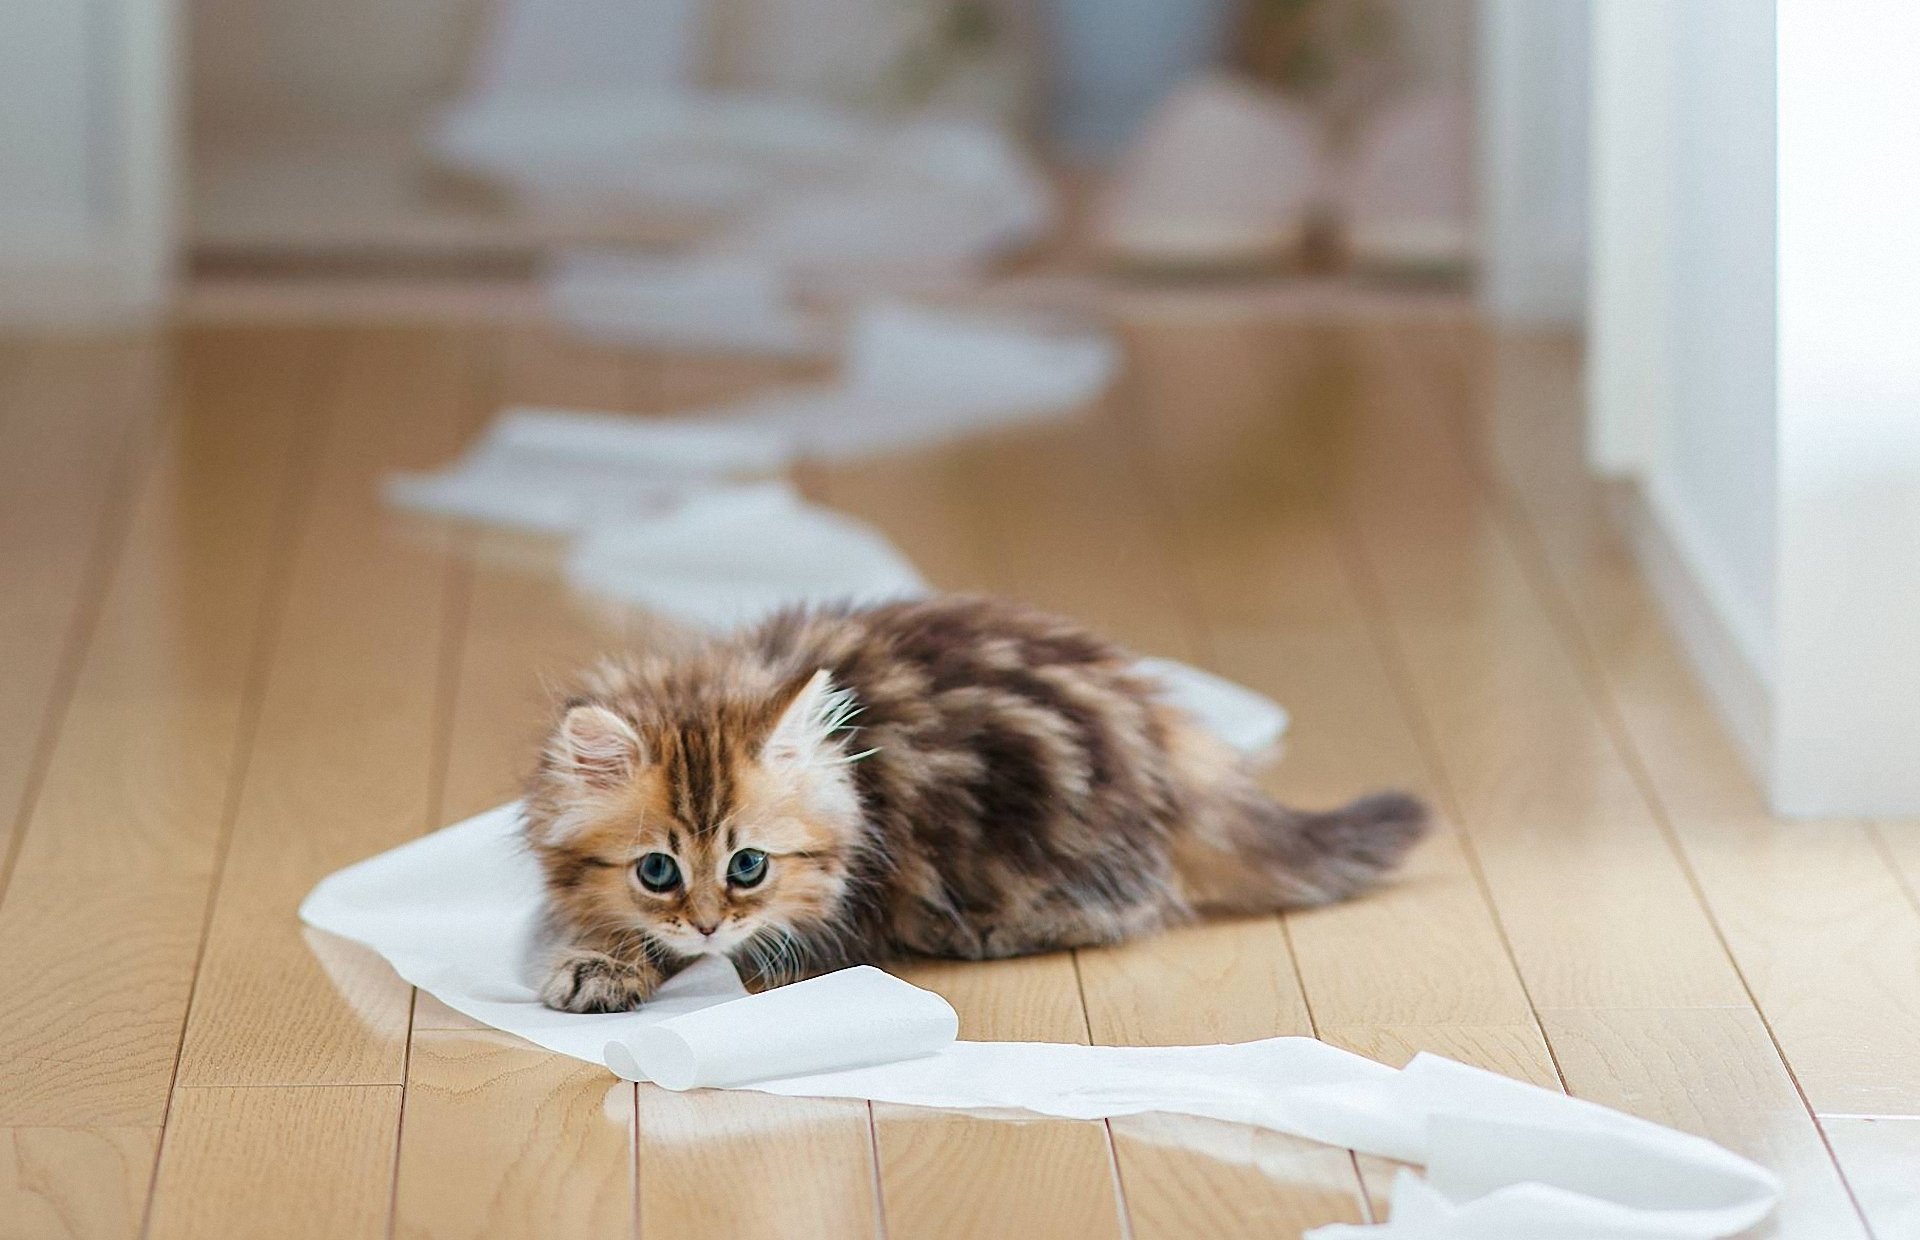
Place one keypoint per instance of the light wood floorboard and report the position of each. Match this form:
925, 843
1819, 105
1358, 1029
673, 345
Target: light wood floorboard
1283, 614
955, 1175
499, 1139
326, 1176
1881, 1159
346, 749
74, 1183
75, 416
101, 920
1816, 917
504, 1140
1762, 1109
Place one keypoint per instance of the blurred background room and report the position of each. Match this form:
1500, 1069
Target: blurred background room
476, 137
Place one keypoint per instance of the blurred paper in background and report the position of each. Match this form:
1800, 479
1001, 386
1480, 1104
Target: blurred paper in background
331, 138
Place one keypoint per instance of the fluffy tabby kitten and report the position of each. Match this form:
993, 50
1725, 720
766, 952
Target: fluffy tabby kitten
954, 777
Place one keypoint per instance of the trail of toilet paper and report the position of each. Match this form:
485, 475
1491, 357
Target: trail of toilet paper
912, 378
457, 913
780, 193
733, 555
709, 303
721, 558
789, 181
660, 518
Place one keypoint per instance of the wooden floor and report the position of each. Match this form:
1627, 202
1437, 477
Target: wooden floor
228, 670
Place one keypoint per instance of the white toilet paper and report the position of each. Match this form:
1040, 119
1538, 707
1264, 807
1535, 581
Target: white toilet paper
557, 471
705, 303
659, 527
913, 377
729, 556
1251, 722
455, 913
795, 1030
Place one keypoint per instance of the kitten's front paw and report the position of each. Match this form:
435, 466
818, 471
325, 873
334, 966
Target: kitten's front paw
586, 981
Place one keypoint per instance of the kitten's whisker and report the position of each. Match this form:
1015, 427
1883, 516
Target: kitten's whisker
752, 948
793, 948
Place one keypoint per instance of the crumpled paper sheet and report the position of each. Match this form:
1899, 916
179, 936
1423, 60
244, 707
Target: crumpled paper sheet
456, 913
645, 146
1251, 722
563, 472
725, 556
700, 303
729, 556
916, 377
660, 521
802, 192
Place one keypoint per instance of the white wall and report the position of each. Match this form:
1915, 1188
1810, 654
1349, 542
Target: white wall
1757, 283
1712, 467
88, 151
1532, 175
1630, 174
1680, 342
47, 205
1847, 698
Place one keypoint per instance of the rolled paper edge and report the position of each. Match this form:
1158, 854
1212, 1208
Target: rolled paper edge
663, 1057
620, 1061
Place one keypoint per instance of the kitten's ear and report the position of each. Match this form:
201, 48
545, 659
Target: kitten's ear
596, 747
804, 731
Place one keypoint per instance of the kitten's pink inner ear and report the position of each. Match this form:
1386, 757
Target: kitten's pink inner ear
598, 746
805, 724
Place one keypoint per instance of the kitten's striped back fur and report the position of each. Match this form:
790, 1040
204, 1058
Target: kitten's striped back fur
968, 778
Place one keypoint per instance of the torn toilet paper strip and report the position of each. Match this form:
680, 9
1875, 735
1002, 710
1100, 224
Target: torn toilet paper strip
1251, 722
730, 556
560, 472
700, 303
726, 556
913, 378
666, 147
916, 377
456, 913
789, 183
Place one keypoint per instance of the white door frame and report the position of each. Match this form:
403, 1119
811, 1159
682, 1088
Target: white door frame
91, 145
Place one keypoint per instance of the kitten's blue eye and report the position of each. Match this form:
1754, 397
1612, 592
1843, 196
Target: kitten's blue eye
658, 872
747, 867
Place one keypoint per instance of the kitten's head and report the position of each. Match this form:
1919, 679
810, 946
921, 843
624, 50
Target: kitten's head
704, 819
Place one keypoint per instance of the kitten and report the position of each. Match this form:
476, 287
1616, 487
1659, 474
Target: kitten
956, 777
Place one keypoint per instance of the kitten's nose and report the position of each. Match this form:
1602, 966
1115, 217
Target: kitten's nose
706, 927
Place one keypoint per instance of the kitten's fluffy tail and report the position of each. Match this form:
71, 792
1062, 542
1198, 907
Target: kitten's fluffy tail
1245, 852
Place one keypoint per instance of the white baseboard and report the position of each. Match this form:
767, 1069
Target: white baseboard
1737, 685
